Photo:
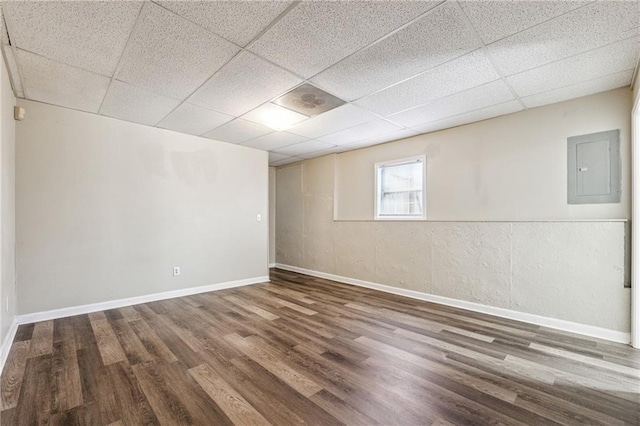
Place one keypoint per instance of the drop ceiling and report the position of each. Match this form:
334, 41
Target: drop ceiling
403, 67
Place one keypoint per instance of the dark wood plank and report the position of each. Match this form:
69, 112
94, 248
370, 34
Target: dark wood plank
303, 350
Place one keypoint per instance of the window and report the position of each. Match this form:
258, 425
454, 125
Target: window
400, 189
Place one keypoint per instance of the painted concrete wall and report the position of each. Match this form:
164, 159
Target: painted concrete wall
572, 270
272, 215
106, 209
7, 205
512, 167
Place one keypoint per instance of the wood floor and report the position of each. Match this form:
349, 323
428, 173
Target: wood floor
302, 350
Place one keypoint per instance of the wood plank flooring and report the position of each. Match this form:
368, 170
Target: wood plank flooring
303, 350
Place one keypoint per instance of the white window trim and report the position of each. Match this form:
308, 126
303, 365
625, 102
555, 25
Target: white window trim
377, 175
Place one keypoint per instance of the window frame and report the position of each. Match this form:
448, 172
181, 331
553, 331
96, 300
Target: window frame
377, 194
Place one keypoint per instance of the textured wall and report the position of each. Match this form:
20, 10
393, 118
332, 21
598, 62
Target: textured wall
572, 271
106, 209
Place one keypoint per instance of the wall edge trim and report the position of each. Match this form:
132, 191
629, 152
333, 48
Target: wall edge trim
136, 300
272, 265
6, 344
558, 324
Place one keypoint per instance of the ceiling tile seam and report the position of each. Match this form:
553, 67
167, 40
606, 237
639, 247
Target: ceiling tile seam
73, 65
272, 24
5, 46
304, 80
415, 128
488, 55
275, 20
186, 100
14, 50
382, 38
576, 54
483, 47
135, 26
578, 83
197, 106
17, 85
402, 127
12, 78
439, 99
194, 23
245, 48
543, 22
261, 136
416, 75
145, 10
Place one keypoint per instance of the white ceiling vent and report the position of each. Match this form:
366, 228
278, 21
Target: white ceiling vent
308, 100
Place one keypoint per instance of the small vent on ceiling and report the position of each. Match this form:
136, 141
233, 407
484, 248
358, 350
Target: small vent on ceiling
308, 100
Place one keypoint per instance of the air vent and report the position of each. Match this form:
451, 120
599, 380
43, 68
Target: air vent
308, 100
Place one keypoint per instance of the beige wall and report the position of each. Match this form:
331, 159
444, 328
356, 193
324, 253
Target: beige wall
508, 168
106, 209
636, 86
571, 270
272, 215
7, 205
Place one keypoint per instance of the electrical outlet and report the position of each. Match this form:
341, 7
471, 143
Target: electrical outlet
259, 218
176, 271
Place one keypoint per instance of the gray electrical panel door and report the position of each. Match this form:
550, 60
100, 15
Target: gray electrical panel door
594, 168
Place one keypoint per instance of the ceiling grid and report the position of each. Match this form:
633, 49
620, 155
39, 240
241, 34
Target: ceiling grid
403, 67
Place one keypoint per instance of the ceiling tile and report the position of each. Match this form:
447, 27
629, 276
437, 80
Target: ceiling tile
375, 140
194, 120
274, 140
589, 27
304, 148
170, 55
132, 103
287, 160
237, 21
238, 131
60, 84
585, 88
359, 132
274, 156
317, 154
494, 20
12, 67
455, 76
4, 37
471, 117
315, 35
441, 35
243, 84
607, 60
88, 35
274, 116
337, 119
477, 98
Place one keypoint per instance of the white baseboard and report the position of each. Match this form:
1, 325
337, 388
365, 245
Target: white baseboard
272, 265
558, 324
6, 344
119, 303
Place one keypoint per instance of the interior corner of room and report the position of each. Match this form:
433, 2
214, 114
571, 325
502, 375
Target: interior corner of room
500, 236
508, 192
